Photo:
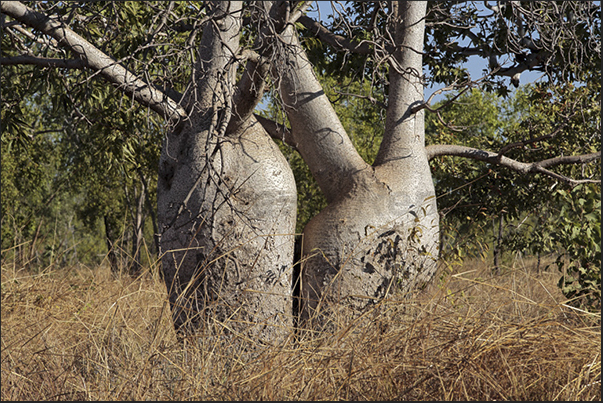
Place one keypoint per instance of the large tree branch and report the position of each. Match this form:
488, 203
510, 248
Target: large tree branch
43, 62
249, 91
404, 129
251, 86
93, 58
570, 159
277, 130
521, 167
321, 138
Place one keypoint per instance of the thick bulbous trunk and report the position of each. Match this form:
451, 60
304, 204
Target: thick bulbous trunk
227, 210
378, 239
379, 231
226, 203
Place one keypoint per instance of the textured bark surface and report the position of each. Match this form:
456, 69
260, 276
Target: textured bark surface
379, 232
226, 208
374, 240
228, 253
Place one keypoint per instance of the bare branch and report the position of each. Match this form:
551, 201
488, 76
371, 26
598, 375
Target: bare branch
427, 104
43, 62
277, 131
164, 18
521, 167
523, 143
43, 41
570, 159
249, 91
127, 82
368, 98
292, 19
332, 39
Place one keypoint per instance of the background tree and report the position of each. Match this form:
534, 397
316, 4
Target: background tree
103, 160
39, 226
473, 194
226, 196
469, 195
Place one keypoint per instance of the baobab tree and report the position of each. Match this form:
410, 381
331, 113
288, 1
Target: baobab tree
226, 195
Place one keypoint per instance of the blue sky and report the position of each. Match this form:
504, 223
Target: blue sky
475, 67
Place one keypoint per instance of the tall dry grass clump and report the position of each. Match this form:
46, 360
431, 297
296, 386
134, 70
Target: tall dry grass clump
82, 333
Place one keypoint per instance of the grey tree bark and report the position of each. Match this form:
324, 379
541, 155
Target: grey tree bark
226, 205
379, 232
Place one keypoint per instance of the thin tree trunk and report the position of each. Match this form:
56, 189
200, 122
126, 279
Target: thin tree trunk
32, 249
138, 226
538, 263
150, 210
109, 230
498, 247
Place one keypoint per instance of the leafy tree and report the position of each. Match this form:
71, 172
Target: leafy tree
108, 162
31, 184
226, 195
579, 108
469, 191
537, 214
578, 232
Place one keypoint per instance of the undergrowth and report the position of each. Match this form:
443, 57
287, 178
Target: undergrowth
85, 334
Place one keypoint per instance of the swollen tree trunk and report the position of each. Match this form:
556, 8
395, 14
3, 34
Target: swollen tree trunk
226, 205
379, 232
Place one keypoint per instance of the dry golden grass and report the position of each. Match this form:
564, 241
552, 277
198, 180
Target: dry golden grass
84, 334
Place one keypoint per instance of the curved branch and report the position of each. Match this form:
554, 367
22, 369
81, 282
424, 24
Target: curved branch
523, 143
332, 39
93, 58
521, 167
277, 130
570, 159
322, 140
250, 88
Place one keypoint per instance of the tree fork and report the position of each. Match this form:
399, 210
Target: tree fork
379, 230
